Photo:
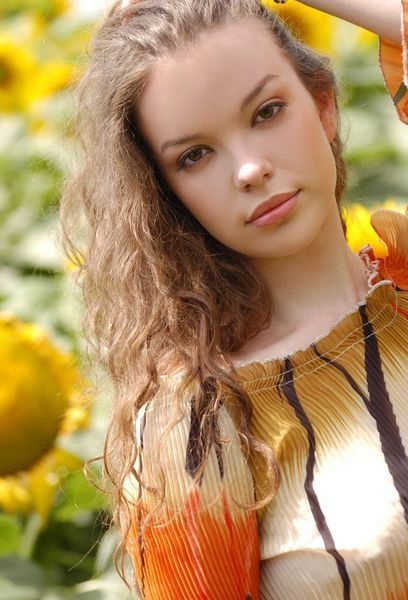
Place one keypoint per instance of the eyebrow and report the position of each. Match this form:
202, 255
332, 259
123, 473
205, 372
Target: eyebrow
179, 141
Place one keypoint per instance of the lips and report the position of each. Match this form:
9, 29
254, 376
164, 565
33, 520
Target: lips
270, 203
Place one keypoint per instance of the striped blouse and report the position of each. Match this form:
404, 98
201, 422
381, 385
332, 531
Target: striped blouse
336, 416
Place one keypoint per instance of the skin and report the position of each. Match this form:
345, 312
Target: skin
382, 17
243, 159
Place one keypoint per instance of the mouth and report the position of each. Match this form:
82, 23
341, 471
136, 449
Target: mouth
274, 209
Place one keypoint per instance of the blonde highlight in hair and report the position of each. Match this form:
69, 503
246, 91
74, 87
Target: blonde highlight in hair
159, 291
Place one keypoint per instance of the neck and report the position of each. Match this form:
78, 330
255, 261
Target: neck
316, 286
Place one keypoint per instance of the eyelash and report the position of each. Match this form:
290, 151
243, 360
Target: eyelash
181, 162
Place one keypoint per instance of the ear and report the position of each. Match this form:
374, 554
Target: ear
328, 113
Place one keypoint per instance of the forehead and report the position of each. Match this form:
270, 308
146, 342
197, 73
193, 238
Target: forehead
209, 77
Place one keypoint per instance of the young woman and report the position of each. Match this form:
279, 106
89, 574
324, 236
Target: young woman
258, 440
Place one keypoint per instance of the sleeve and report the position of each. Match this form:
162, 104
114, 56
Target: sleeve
201, 546
394, 65
392, 228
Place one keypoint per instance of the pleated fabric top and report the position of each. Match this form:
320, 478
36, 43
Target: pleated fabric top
336, 416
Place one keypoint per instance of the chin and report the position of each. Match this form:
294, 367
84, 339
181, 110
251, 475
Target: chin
290, 242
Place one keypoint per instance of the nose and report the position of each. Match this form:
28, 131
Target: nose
253, 173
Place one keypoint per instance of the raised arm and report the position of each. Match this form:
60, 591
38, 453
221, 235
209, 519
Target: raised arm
205, 546
389, 20
382, 17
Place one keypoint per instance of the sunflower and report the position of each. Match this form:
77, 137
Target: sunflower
359, 229
43, 396
366, 39
17, 68
51, 78
314, 27
25, 81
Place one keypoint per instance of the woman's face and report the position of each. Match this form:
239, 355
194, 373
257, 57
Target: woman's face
241, 153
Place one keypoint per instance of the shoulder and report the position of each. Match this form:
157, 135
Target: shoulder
174, 407
167, 431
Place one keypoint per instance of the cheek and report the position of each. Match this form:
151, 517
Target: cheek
194, 199
313, 152
197, 192
213, 216
209, 205
308, 137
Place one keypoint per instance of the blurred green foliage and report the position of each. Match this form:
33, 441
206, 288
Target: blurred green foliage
42, 51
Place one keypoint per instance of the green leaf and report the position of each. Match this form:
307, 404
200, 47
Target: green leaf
66, 551
109, 586
58, 593
10, 534
78, 496
20, 579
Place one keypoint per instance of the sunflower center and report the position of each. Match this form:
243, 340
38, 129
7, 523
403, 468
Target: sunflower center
6, 74
32, 402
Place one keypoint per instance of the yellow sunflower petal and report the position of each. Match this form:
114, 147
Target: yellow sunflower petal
17, 66
49, 79
366, 39
14, 496
360, 231
312, 26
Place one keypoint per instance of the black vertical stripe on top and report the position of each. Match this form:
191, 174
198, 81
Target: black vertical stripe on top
381, 409
402, 90
195, 450
197, 438
320, 520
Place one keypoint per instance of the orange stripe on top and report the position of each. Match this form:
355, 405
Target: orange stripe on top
403, 595
198, 556
400, 310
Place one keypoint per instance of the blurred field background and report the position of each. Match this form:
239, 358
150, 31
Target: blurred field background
54, 538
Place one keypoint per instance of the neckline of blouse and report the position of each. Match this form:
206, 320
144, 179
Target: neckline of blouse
381, 307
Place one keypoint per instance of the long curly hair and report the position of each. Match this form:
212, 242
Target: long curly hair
160, 293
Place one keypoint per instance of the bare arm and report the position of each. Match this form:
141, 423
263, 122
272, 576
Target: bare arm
382, 17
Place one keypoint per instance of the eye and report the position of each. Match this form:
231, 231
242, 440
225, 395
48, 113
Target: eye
192, 154
269, 109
